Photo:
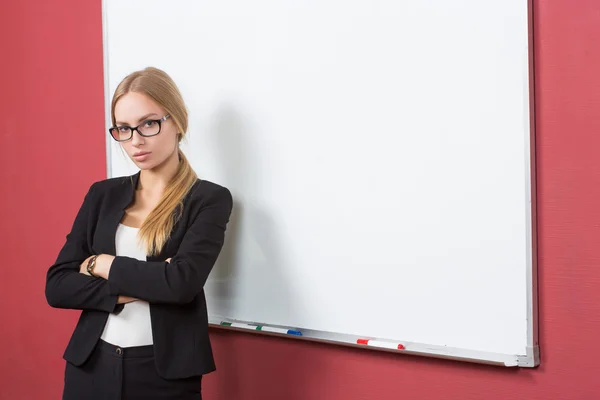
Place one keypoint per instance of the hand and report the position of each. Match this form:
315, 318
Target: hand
83, 266
126, 299
168, 260
103, 264
102, 268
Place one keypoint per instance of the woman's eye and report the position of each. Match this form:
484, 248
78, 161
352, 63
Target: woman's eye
124, 129
149, 124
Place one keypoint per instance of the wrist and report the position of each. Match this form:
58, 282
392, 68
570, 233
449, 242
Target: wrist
103, 264
91, 266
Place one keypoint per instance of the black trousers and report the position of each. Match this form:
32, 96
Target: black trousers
114, 373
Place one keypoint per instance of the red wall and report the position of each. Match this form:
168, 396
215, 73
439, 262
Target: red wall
51, 148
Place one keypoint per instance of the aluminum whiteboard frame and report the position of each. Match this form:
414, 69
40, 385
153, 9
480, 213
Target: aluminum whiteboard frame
531, 358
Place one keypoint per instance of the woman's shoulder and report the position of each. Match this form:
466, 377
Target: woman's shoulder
110, 183
202, 193
205, 191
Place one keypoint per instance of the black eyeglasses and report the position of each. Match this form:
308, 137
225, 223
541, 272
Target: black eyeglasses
150, 127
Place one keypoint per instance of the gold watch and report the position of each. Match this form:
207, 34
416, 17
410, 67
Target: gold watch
91, 265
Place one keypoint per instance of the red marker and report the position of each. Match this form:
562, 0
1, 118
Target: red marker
381, 344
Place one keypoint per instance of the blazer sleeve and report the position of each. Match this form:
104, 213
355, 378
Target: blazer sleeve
181, 280
66, 287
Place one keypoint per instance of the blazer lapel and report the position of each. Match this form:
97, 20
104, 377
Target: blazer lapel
108, 224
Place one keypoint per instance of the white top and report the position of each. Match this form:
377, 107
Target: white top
130, 327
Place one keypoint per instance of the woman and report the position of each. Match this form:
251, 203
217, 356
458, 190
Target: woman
137, 258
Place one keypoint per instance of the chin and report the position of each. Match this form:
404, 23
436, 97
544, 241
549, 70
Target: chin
144, 166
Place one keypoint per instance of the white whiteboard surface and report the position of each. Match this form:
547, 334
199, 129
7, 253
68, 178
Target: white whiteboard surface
380, 158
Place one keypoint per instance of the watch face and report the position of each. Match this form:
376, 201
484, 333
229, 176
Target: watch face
90, 266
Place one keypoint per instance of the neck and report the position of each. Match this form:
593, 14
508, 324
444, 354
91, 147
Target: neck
155, 180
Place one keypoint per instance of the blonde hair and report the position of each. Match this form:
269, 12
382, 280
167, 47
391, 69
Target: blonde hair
159, 86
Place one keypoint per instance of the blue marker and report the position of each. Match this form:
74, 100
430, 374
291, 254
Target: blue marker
278, 330
262, 328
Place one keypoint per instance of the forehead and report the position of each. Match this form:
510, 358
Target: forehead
134, 105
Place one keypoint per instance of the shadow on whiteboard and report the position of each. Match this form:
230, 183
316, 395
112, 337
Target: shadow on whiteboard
252, 250
251, 259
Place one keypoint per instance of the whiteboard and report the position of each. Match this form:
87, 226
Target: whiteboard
380, 157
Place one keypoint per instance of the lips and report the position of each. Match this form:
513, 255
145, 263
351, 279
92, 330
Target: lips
141, 155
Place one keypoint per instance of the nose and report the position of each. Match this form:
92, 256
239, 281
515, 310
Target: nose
136, 138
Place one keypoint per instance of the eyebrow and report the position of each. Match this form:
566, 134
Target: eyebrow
139, 120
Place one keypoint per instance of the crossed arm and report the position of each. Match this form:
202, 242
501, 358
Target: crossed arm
123, 279
102, 269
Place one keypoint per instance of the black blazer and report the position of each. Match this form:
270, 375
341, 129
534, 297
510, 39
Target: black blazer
174, 290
